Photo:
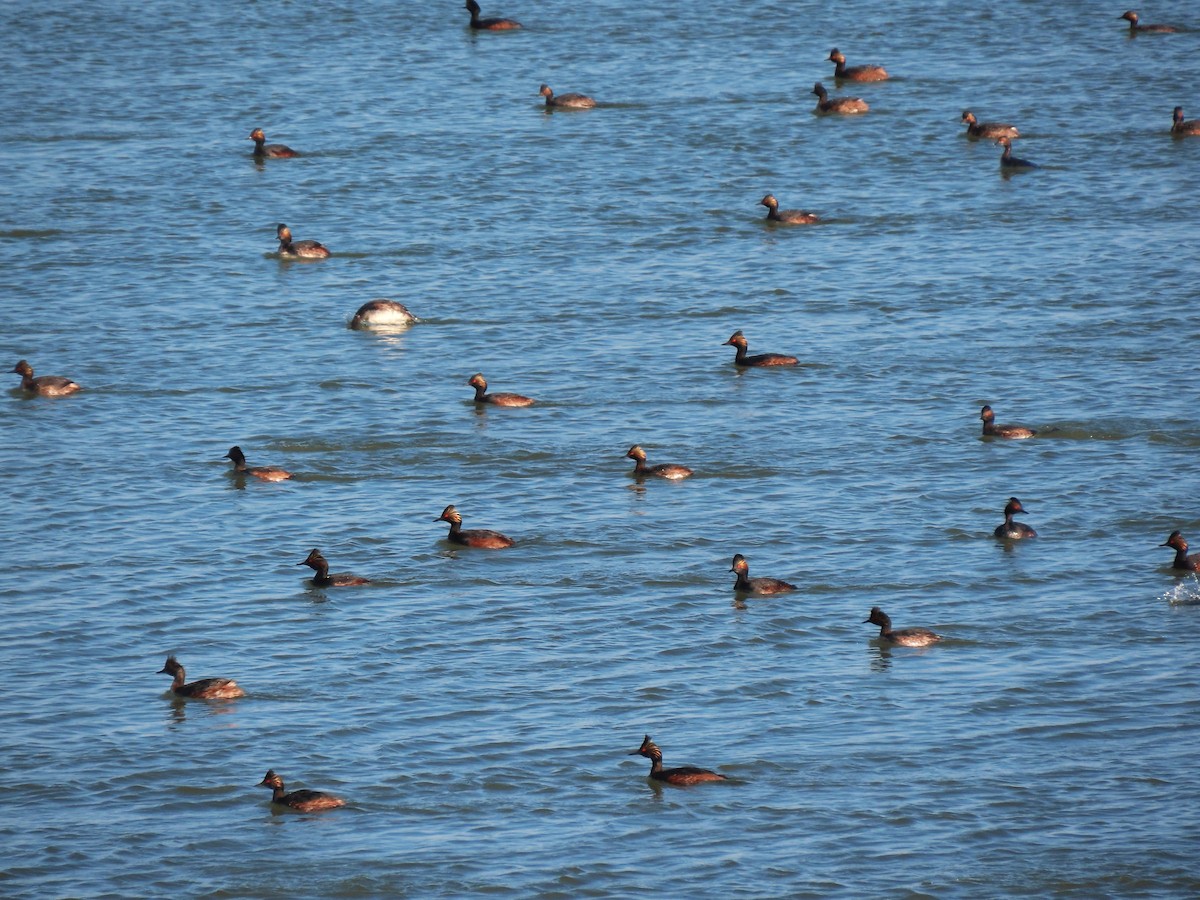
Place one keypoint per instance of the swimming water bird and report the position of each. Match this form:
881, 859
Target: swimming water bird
382, 313
747, 585
838, 106
44, 385
302, 801
854, 73
474, 537
1010, 530
492, 24
907, 637
991, 429
1008, 162
787, 216
1182, 560
322, 578
204, 688
478, 382
987, 130
263, 473
263, 150
566, 101
662, 470
1134, 28
1180, 127
681, 775
738, 340
289, 249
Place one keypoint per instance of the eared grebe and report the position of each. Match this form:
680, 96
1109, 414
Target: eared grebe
1134, 28
738, 340
322, 578
787, 216
384, 313
1008, 162
263, 150
1010, 530
1182, 560
991, 429
493, 24
682, 775
662, 470
289, 249
1179, 126
474, 537
265, 473
854, 73
907, 637
839, 106
304, 801
45, 385
566, 101
987, 130
204, 689
478, 382
747, 585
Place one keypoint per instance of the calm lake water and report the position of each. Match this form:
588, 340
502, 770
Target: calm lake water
476, 708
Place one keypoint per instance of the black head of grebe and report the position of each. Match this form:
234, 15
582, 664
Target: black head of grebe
682, 775
1182, 560
44, 385
303, 801
478, 382
1013, 531
204, 688
662, 470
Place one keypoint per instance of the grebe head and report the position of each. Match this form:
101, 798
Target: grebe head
878, 617
545, 91
23, 368
173, 666
257, 135
969, 117
819, 90
649, 749
1129, 16
636, 452
737, 339
1176, 541
282, 232
1177, 115
986, 414
478, 381
835, 56
769, 202
236, 454
1013, 506
450, 514
314, 560
739, 564
271, 780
